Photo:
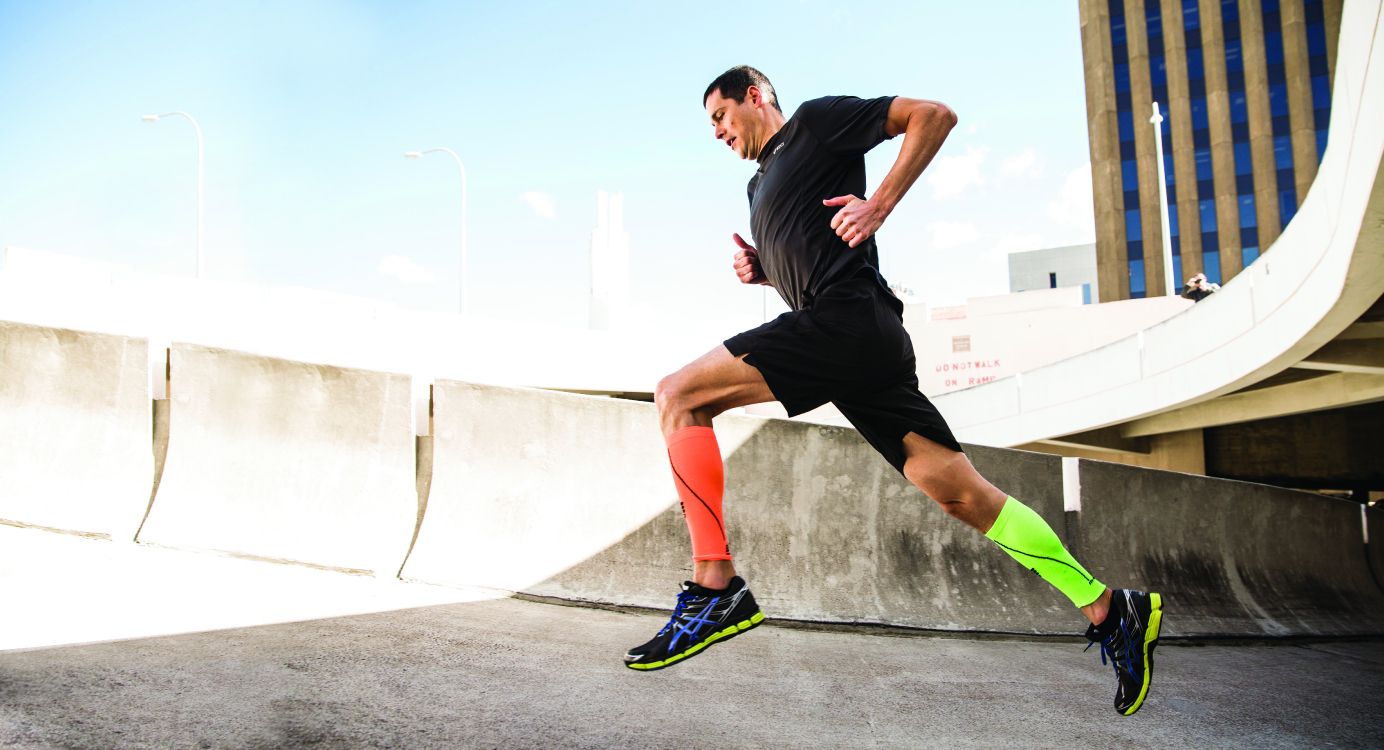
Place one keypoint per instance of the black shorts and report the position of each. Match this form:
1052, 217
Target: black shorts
848, 347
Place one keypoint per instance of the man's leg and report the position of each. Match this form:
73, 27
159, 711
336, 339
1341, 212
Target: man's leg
687, 401
1125, 623
949, 478
716, 604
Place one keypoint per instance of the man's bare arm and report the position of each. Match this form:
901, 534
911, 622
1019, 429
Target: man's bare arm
925, 126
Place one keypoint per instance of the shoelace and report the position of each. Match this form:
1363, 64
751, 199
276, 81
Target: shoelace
684, 597
1116, 646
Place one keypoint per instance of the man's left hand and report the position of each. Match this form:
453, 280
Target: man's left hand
857, 220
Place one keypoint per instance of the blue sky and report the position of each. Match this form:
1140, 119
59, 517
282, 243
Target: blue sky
307, 108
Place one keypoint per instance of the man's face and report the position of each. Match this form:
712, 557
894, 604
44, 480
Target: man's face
739, 124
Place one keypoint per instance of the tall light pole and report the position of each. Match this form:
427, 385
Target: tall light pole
198, 128
465, 299
1169, 284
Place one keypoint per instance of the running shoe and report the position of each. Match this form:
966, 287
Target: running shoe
702, 617
1127, 637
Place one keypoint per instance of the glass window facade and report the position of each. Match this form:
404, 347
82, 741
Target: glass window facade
1131, 115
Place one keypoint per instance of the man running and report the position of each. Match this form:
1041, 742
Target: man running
842, 342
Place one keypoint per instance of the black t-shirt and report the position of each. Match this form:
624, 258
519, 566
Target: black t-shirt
819, 153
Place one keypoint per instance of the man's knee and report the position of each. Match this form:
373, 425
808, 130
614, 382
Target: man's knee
668, 393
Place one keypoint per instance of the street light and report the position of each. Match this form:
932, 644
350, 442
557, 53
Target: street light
1169, 284
465, 300
198, 128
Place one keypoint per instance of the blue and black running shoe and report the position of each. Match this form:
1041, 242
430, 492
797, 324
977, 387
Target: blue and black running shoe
702, 617
1127, 638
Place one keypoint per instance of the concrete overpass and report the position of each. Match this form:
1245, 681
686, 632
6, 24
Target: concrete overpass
1277, 376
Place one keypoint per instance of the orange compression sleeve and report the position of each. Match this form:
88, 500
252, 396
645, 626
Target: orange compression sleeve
697, 471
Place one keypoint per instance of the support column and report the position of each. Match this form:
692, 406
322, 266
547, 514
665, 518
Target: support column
1222, 140
1331, 17
1260, 129
1141, 94
1103, 127
1183, 155
1298, 74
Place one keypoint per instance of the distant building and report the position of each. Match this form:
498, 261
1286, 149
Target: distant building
1244, 87
610, 263
1054, 268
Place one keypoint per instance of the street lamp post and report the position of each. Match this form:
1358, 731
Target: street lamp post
198, 128
1169, 284
461, 168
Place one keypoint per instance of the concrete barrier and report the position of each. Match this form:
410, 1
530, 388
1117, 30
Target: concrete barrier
570, 497
1231, 558
528, 483
286, 461
75, 426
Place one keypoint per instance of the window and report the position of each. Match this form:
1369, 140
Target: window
1278, 99
1287, 206
1129, 173
1211, 265
1136, 277
1203, 159
1247, 211
1273, 46
1177, 267
1239, 113
1200, 121
1195, 68
1283, 151
1249, 254
1134, 228
1208, 214
1233, 61
1321, 92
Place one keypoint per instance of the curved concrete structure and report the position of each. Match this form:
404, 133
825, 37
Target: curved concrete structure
76, 429
1319, 277
526, 484
569, 497
286, 461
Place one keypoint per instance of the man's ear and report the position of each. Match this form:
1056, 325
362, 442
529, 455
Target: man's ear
753, 95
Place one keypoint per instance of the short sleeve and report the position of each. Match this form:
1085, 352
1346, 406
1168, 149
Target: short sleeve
847, 125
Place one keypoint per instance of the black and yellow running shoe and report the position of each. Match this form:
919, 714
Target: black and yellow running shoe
702, 617
1128, 636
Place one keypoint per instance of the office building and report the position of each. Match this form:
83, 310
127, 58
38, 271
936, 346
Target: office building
1244, 87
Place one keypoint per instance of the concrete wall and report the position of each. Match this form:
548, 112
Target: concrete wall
1230, 557
287, 461
75, 430
570, 496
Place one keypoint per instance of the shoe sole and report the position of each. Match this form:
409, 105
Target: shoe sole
1150, 642
720, 635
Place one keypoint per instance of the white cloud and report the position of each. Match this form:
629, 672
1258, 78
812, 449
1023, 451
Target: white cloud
541, 203
1073, 208
950, 176
1022, 164
945, 235
405, 270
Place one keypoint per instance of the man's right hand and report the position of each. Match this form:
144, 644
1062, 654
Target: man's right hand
747, 263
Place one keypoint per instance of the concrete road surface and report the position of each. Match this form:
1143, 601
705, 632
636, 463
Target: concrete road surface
483, 672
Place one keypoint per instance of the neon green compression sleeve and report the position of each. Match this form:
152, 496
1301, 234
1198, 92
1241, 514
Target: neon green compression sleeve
1029, 539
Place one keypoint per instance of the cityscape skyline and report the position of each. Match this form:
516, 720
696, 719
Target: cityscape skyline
307, 109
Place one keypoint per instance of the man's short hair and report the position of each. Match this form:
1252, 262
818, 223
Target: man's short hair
735, 82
